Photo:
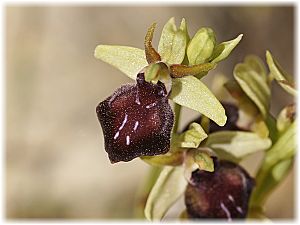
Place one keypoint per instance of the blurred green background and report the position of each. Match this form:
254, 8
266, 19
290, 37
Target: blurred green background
56, 166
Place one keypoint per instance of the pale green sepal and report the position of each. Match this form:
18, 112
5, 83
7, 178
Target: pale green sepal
173, 41
129, 60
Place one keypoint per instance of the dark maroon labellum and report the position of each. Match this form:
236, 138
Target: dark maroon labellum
136, 121
222, 194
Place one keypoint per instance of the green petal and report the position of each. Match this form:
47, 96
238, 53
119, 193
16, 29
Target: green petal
172, 43
192, 93
169, 186
283, 79
129, 60
223, 49
237, 143
254, 86
201, 46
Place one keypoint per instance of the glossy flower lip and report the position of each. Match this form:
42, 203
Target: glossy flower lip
222, 194
136, 121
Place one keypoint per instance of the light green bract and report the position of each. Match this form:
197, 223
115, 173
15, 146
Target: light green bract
237, 143
169, 186
254, 86
129, 60
201, 46
192, 137
173, 42
192, 93
223, 49
283, 79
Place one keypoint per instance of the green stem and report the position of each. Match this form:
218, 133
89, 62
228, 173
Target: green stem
177, 111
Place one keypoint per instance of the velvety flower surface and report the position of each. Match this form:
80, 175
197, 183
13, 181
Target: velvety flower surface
136, 121
223, 193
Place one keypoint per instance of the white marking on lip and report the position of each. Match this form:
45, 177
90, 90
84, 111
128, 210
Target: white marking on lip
226, 211
127, 140
136, 125
137, 98
151, 105
116, 135
239, 209
124, 121
230, 198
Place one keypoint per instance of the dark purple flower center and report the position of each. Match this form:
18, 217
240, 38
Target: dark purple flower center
136, 120
222, 194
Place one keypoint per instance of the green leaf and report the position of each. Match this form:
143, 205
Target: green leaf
129, 60
257, 65
237, 143
201, 46
286, 117
283, 79
192, 93
173, 42
254, 86
192, 137
223, 49
169, 186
